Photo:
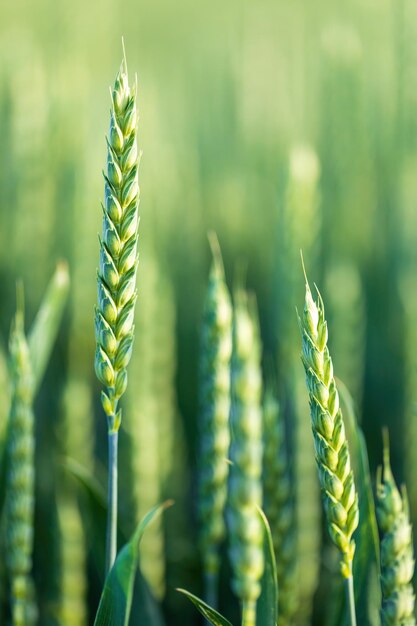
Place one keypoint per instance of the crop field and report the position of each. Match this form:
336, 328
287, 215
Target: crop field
208, 313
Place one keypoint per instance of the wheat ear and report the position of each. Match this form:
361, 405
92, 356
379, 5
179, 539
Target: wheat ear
215, 355
279, 506
245, 486
19, 509
114, 319
331, 446
397, 555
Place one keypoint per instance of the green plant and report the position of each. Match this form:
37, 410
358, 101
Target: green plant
397, 554
279, 506
331, 446
19, 508
245, 529
215, 355
114, 319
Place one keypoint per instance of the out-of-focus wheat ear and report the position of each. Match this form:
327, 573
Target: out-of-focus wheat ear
397, 554
331, 446
245, 474
279, 506
347, 313
214, 408
72, 576
114, 317
19, 505
150, 386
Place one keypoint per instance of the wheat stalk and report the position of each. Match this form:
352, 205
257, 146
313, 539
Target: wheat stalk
19, 507
279, 506
397, 554
114, 319
215, 355
245, 487
331, 446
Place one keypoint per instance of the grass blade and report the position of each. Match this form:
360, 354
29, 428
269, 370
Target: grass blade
44, 329
267, 606
116, 599
210, 614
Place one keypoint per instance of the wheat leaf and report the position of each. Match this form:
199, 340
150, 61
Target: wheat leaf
210, 614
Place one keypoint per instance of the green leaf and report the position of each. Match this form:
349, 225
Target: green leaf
210, 614
116, 599
267, 607
42, 335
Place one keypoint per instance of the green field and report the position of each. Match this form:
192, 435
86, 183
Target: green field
280, 126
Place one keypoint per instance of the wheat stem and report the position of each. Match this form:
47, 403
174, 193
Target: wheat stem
111, 539
350, 599
249, 613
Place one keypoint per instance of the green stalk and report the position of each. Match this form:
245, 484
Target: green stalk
249, 613
350, 598
111, 539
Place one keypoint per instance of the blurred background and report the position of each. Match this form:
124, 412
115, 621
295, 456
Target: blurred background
280, 125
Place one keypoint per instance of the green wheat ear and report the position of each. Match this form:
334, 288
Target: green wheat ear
331, 446
279, 506
19, 508
215, 355
245, 485
114, 319
397, 555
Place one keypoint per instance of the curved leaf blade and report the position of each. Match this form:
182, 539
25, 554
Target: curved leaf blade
267, 608
210, 614
116, 599
44, 330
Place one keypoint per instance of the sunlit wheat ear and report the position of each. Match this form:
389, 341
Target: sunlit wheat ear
19, 508
215, 355
245, 487
331, 446
397, 554
118, 249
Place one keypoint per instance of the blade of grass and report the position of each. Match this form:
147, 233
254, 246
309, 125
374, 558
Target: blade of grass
42, 335
210, 614
116, 599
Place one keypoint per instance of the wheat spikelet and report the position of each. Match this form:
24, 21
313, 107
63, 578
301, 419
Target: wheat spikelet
72, 580
215, 355
245, 487
114, 318
331, 446
397, 555
19, 507
279, 507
